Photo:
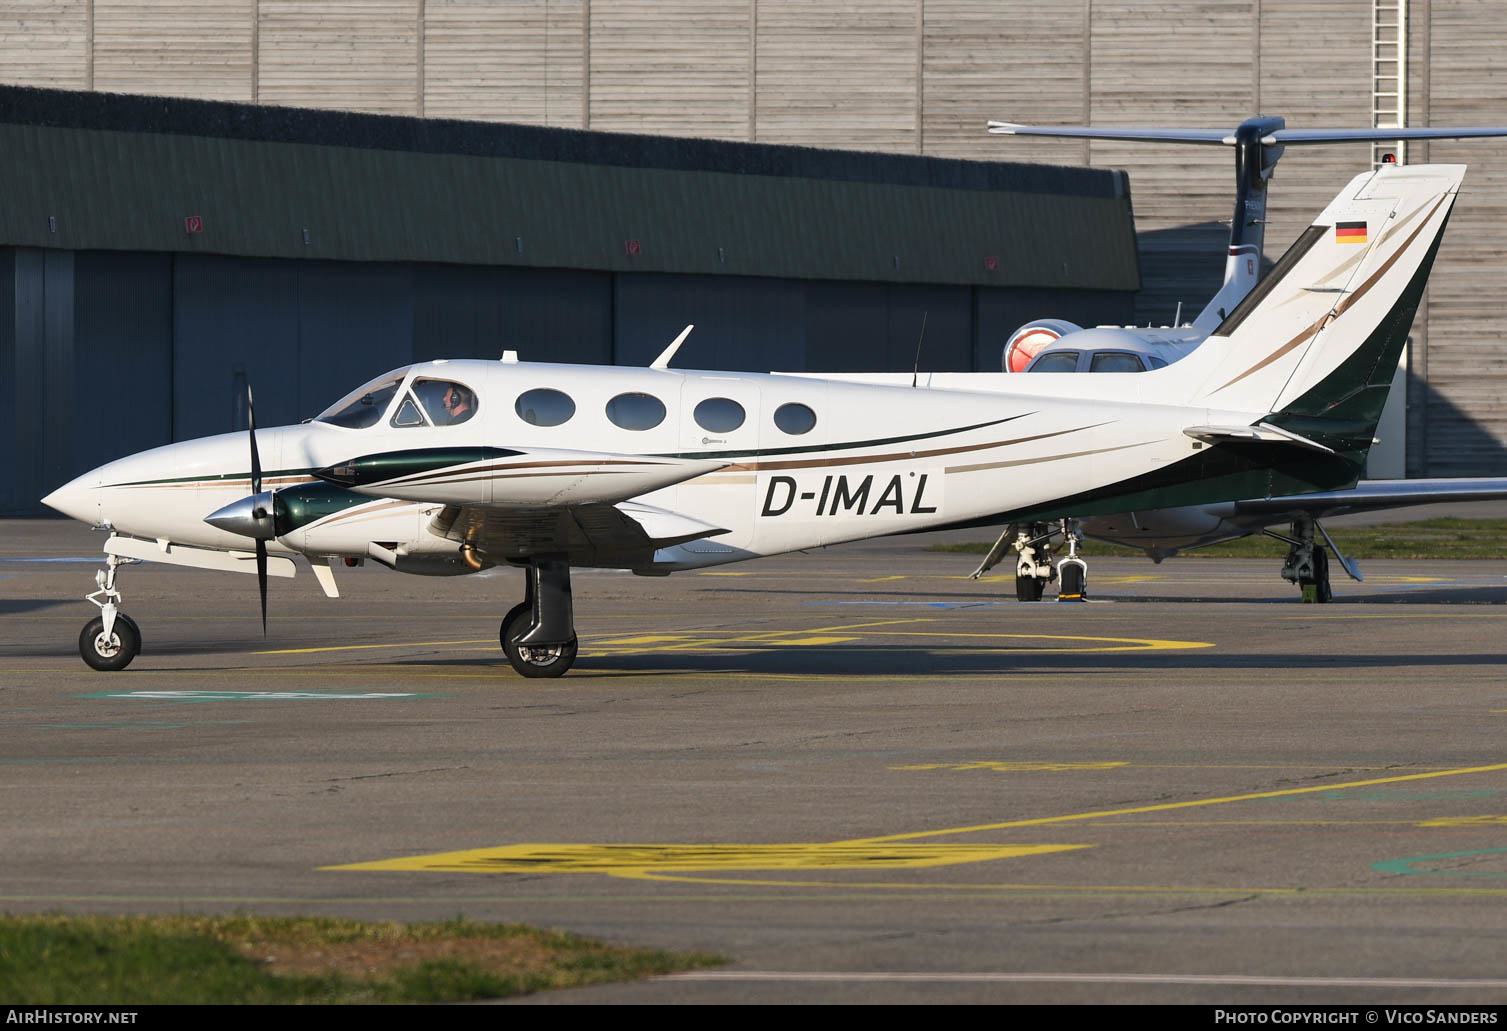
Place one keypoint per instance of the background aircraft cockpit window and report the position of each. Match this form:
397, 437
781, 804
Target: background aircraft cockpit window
447, 403
407, 414
794, 418
363, 406
1155, 362
1055, 361
719, 415
544, 407
1116, 361
636, 411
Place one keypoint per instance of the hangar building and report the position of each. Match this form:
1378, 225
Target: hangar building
901, 77
157, 256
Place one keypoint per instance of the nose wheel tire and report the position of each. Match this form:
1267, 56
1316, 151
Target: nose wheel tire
1072, 577
113, 652
533, 660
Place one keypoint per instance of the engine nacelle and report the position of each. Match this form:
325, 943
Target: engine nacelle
1031, 338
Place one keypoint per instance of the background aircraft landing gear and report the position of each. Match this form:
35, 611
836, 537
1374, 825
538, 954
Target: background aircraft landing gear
1072, 571
539, 636
1033, 558
1307, 563
112, 639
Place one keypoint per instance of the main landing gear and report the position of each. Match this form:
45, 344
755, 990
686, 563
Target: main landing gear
112, 639
1033, 562
1307, 562
539, 636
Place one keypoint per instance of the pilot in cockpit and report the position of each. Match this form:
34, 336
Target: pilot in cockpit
459, 404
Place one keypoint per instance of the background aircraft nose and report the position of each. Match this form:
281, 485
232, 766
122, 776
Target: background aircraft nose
78, 498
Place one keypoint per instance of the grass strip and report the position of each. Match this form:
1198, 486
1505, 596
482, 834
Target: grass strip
211, 960
1425, 540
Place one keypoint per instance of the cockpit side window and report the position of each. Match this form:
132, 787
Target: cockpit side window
1055, 361
1116, 361
408, 414
446, 402
363, 406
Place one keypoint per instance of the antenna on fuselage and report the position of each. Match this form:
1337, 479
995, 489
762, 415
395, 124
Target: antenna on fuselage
916, 368
663, 361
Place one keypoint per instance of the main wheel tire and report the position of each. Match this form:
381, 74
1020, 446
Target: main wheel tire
1029, 588
1072, 585
533, 661
1322, 592
112, 653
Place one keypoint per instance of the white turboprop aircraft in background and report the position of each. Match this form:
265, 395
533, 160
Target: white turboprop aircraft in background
449, 467
1056, 345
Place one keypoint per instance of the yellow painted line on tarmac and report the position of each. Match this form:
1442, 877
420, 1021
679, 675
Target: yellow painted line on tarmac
631, 859
368, 647
1116, 644
1043, 821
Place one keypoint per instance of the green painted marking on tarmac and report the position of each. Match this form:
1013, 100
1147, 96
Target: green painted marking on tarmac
261, 696
1405, 866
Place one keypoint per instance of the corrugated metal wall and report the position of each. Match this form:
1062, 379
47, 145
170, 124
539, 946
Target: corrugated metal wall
905, 76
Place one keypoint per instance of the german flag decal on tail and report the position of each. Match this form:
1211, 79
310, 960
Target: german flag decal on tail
1350, 232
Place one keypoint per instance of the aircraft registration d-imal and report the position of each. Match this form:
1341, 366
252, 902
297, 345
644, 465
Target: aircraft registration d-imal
454, 466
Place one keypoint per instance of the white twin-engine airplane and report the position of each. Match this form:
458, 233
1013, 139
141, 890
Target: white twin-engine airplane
449, 467
1058, 346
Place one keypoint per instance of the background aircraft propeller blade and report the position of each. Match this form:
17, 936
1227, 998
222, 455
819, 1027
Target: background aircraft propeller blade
256, 488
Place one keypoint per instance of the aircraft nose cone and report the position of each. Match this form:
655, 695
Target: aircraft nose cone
251, 516
79, 499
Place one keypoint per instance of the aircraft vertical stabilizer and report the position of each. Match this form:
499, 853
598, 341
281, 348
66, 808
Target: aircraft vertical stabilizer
1317, 342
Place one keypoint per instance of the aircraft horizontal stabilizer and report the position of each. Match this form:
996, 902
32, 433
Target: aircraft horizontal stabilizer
1261, 432
1273, 137
1377, 495
1089, 132
509, 477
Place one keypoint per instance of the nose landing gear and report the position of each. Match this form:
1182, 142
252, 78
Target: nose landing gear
112, 639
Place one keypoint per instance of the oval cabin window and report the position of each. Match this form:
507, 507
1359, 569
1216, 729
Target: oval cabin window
719, 415
794, 418
544, 407
636, 411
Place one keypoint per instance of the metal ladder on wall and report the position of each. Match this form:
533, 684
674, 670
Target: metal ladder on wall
1389, 75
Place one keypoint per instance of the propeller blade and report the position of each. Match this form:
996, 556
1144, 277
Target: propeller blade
256, 488
261, 579
256, 460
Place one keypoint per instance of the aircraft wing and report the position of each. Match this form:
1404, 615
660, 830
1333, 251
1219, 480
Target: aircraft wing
623, 534
1375, 495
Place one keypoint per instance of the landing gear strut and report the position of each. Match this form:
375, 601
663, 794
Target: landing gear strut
1307, 562
1072, 570
539, 636
112, 639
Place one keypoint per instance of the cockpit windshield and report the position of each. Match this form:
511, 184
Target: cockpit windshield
363, 406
